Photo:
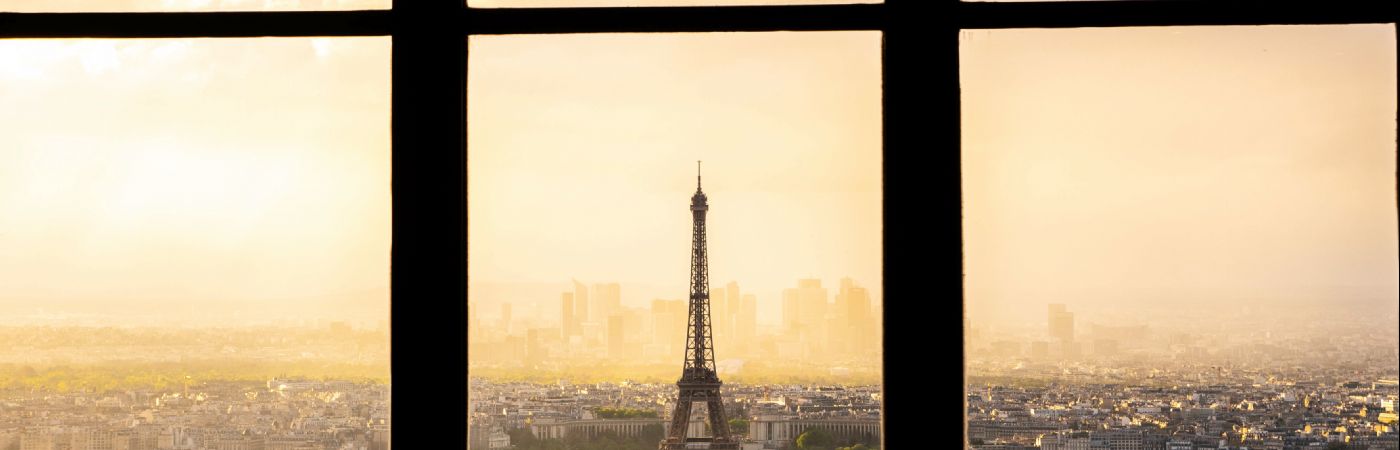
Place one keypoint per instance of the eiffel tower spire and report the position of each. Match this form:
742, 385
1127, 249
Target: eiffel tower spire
699, 381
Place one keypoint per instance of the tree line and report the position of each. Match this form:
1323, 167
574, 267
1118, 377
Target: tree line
160, 376
647, 439
810, 439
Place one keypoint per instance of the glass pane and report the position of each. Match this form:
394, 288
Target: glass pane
598, 3
188, 5
583, 194
196, 243
1181, 237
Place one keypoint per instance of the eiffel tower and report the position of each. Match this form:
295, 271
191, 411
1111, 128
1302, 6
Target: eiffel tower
699, 382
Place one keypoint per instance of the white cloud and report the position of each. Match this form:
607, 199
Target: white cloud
322, 47
98, 57
20, 61
171, 51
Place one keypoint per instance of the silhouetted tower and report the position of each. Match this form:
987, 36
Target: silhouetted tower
699, 382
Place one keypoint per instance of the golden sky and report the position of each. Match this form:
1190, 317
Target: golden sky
149, 176
582, 150
1128, 167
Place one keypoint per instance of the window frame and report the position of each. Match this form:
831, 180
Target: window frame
921, 153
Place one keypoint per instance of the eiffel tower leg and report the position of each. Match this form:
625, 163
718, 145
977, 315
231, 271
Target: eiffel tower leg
680, 419
718, 425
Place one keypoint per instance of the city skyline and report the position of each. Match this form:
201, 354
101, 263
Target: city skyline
534, 300
1180, 238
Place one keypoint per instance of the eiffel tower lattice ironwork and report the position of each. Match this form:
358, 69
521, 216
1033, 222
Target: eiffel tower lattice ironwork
699, 382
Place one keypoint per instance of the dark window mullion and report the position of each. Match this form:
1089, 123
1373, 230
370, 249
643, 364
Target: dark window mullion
1137, 13
194, 24
674, 19
428, 269
922, 222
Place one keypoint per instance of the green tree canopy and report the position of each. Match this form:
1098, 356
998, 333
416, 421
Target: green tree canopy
625, 413
651, 433
815, 438
739, 427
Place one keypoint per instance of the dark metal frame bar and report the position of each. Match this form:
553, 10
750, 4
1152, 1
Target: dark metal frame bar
923, 195
468, 21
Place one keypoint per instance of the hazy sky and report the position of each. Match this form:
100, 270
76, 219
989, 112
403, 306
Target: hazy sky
1153, 166
582, 153
144, 176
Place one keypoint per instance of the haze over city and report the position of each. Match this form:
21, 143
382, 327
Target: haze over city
1137, 171
1180, 238
196, 243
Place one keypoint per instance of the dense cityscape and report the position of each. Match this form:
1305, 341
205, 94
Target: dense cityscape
279, 414
594, 373
166, 388
636, 415
1331, 384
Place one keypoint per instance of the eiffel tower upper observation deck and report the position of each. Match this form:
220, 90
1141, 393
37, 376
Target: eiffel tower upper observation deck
699, 382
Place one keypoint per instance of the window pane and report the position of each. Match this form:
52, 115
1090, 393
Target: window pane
597, 3
188, 5
582, 157
196, 243
1181, 235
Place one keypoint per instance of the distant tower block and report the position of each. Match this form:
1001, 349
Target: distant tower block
699, 382
566, 316
1061, 323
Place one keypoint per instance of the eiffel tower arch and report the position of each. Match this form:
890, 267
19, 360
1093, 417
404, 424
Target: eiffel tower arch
699, 383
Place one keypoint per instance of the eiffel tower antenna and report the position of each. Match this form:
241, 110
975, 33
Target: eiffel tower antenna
699, 382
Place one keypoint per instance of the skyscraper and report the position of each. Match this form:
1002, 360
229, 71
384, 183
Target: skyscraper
724, 305
659, 321
505, 318
615, 337
860, 326
566, 316
719, 308
1061, 323
607, 300
792, 312
746, 324
668, 320
734, 303
581, 303
855, 328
